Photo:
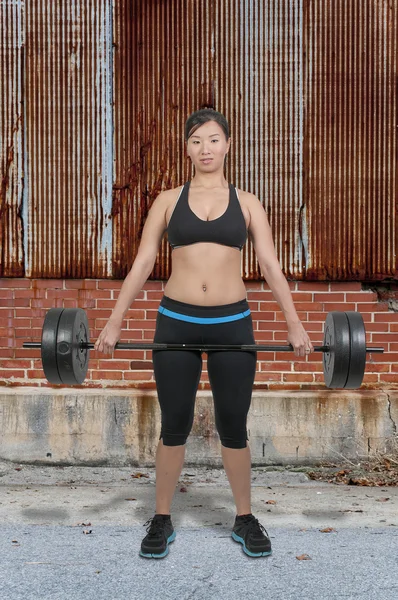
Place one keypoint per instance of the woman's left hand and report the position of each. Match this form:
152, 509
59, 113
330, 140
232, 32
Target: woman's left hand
298, 338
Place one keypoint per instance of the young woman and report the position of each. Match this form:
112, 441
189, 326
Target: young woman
207, 221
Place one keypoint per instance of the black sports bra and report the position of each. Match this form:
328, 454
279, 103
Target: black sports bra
186, 228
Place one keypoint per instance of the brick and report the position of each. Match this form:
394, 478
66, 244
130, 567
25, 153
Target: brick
15, 364
84, 284
137, 375
389, 357
362, 297
109, 284
154, 295
145, 305
329, 306
136, 314
93, 294
253, 285
303, 316
35, 374
14, 283
45, 303
263, 337
263, 316
269, 307
144, 365
11, 302
6, 313
377, 368
153, 285
71, 304
272, 326
383, 338
11, 373
71, 294
310, 366
349, 286
266, 296
48, 283
6, 294
105, 304
87, 303
298, 377
262, 376
114, 365
275, 366
375, 307
302, 296
389, 377
370, 378
388, 317
329, 297
393, 347
317, 316
308, 306
376, 327
265, 356
284, 386
108, 375
394, 327
7, 342
25, 352
314, 286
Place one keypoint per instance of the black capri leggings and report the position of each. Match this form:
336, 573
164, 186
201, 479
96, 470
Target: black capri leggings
177, 372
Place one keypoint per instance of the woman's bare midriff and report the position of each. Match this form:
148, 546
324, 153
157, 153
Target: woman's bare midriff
206, 274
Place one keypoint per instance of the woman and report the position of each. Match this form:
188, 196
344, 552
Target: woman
207, 221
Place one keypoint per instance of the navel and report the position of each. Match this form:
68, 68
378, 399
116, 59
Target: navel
204, 288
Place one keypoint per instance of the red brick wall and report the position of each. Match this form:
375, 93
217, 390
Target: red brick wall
24, 302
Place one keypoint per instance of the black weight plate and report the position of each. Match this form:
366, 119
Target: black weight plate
49, 345
71, 358
336, 362
356, 369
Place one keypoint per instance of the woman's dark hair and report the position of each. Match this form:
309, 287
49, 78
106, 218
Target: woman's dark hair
203, 115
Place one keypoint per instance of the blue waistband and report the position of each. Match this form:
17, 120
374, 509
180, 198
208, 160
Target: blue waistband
204, 320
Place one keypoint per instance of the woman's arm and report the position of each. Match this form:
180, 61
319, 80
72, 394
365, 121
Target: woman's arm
154, 228
261, 234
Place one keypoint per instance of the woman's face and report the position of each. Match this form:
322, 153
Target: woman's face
207, 147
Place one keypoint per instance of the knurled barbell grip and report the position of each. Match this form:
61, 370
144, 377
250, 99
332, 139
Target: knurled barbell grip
212, 347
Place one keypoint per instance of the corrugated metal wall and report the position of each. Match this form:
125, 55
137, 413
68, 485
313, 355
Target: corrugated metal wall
11, 137
351, 139
64, 101
309, 87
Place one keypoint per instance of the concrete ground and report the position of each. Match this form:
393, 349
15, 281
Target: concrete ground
75, 532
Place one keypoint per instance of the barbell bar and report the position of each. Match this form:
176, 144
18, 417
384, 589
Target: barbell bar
65, 347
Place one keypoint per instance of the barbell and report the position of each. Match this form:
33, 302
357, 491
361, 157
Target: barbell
65, 347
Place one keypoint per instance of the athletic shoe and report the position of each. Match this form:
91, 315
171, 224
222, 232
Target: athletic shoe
254, 537
160, 534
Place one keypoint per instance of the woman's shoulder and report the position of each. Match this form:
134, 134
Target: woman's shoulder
247, 198
171, 193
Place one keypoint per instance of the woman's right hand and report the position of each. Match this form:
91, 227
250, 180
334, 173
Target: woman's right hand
108, 337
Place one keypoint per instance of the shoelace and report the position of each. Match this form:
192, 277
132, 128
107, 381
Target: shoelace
254, 526
155, 526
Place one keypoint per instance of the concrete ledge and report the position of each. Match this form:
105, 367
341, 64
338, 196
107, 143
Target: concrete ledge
122, 427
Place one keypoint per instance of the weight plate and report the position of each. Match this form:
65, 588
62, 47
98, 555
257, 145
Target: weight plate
356, 369
49, 345
336, 361
72, 359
